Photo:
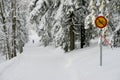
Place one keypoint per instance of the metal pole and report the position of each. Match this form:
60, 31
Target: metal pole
100, 47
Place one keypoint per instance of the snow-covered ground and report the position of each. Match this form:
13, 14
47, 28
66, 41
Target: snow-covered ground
49, 63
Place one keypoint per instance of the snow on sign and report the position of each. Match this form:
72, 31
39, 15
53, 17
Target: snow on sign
100, 21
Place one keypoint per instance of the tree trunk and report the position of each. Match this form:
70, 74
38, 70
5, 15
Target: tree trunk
82, 36
14, 27
72, 35
72, 38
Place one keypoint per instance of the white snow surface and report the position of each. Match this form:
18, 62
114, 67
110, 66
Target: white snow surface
49, 63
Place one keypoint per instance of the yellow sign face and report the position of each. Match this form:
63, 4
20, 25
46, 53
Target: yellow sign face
100, 21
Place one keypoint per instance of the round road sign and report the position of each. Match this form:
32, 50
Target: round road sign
100, 21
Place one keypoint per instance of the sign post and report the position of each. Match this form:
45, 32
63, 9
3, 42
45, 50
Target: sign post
100, 22
100, 47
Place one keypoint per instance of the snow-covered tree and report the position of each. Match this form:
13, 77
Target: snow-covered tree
4, 27
57, 21
114, 24
10, 22
91, 30
22, 28
40, 15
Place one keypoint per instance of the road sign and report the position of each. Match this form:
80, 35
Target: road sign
101, 22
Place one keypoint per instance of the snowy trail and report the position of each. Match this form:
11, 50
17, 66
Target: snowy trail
49, 63
38, 63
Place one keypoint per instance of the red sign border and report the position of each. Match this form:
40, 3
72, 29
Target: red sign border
103, 25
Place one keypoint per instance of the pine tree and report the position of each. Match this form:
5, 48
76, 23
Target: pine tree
6, 40
21, 27
42, 19
59, 23
114, 19
10, 21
